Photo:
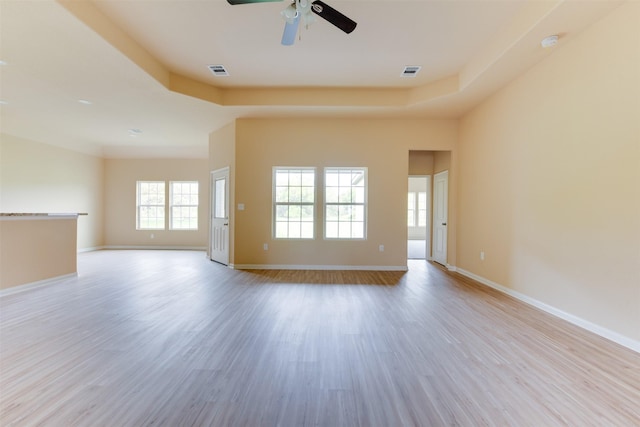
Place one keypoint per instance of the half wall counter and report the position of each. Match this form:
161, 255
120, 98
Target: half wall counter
35, 247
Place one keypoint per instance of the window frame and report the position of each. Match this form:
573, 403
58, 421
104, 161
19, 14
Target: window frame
422, 197
275, 203
175, 205
415, 209
139, 205
411, 209
364, 203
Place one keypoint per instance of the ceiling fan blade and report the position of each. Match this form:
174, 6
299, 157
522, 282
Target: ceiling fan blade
290, 31
325, 11
234, 2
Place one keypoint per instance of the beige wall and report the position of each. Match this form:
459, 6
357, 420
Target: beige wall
441, 161
381, 145
37, 177
550, 179
420, 162
120, 201
34, 249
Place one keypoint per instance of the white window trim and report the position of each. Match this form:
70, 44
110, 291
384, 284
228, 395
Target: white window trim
171, 206
274, 204
416, 209
419, 209
365, 203
413, 208
138, 206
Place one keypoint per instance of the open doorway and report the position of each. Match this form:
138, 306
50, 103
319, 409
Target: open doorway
418, 202
424, 167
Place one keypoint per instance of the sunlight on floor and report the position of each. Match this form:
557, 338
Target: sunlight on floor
417, 249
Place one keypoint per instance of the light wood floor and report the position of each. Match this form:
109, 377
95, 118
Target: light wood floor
159, 338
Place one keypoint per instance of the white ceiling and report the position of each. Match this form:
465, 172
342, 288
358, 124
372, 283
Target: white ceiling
125, 56
246, 39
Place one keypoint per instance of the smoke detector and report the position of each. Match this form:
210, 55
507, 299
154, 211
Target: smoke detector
549, 41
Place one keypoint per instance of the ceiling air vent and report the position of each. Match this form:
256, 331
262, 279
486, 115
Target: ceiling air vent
218, 70
410, 71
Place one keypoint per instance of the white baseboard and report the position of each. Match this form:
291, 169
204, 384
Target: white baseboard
449, 267
160, 248
90, 249
33, 285
578, 321
320, 267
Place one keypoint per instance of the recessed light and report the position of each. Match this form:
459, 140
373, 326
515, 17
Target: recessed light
135, 132
3, 102
549, 41
3, 62
84, 102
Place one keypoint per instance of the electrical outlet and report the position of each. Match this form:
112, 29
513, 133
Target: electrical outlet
381, 248
153, 236
265, 246
481, 255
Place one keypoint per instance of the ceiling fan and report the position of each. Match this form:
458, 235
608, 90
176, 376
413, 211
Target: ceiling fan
302, 10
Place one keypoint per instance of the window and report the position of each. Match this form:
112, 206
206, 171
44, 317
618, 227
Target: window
345, 195
422, 209
150, 205
184, 205
294, 196
220, 202
417, 209
411, 211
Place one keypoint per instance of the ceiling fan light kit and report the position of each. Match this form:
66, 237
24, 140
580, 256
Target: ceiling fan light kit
290, 31
304, 10
290, 13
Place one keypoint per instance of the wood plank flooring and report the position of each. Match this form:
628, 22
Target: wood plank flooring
167, 338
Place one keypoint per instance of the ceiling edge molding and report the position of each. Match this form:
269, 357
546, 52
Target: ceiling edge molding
289, 96
443, 87
317, 97
196, 89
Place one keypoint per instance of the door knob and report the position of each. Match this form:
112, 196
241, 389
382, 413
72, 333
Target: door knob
444, 223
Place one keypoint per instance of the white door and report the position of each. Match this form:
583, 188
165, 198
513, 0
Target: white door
440, 212
219, 240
